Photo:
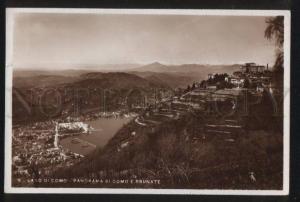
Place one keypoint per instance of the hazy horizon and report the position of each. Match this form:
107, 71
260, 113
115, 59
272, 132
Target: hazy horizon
87, 41
113, 67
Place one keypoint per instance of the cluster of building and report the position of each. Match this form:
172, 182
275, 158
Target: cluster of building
252, 78
100, 114
257, 76
75, 126
36, 152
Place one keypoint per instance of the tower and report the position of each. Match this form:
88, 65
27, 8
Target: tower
56, 136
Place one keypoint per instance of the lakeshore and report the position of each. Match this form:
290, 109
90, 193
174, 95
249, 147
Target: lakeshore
103, 130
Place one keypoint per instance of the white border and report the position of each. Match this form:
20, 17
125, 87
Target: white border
10, 12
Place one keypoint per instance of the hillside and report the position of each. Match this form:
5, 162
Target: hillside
41, 81
180, 155
46, 72
94, 79
87, 91
173, 80
116, 80
71, 70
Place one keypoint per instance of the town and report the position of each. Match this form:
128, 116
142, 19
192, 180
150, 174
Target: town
37, 152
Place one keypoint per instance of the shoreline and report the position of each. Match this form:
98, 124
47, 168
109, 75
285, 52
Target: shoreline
86, 143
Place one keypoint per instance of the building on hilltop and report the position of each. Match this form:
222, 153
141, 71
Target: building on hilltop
236, 81
252, 68
210, 76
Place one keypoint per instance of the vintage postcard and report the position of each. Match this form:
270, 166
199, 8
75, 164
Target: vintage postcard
147, 101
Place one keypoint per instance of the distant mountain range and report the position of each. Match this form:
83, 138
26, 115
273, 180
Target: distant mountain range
186, 68
180, 75
154, 74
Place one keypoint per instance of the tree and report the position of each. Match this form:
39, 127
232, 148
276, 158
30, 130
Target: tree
246, 83
203, 84
193, 86
188, 88
275, 31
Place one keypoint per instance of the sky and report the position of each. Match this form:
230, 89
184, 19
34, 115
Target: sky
61, 40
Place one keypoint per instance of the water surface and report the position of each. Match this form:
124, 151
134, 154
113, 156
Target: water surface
104, 130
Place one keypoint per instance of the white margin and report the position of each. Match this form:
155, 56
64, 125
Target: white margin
10, 13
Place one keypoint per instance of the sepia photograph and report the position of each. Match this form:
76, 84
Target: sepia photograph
147, 101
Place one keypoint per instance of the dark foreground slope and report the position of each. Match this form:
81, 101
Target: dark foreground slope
181, 155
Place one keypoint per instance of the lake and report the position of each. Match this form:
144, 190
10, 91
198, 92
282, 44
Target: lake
104, 130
